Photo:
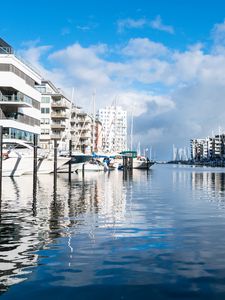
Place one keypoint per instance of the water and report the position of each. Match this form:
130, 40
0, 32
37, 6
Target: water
147, 235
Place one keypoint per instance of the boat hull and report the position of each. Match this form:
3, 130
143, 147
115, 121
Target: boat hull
142, 165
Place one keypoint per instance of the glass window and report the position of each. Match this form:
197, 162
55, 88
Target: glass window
45, 110
45, 99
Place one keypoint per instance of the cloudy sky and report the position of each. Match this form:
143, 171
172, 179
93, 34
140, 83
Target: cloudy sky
163, 61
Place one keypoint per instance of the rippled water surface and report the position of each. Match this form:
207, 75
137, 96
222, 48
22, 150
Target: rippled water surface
147, 235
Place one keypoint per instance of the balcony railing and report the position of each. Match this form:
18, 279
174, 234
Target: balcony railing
6, 50
56, 136
59, 115
58, 126
19, 100
59, 104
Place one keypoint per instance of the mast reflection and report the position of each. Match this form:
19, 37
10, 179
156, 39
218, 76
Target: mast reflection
32, 221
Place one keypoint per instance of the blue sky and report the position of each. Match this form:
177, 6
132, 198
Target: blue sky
163, 60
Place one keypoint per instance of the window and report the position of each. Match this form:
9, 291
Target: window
45, 99
45, 110
45, 121
44, 131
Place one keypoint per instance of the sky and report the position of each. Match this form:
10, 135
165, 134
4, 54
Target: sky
161, 60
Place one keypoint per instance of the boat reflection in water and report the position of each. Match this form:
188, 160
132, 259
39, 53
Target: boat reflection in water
118, 235
30, 222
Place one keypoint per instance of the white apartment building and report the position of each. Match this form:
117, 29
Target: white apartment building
86, 133
55, 116
19, 98
114, 128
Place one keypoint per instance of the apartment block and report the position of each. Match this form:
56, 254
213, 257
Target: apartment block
114, 128
85, 131
55, 116
19, 97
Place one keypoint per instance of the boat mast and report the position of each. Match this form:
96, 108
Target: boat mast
93, 129
131, 129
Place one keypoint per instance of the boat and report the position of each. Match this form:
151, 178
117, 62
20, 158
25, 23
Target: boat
77, 161
93, 165
18, 159
141, 162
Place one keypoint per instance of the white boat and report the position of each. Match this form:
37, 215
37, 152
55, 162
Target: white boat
141, 162
18, 159
92, 166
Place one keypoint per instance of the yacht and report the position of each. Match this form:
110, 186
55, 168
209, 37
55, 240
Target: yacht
77, 161
18, 159
141, 162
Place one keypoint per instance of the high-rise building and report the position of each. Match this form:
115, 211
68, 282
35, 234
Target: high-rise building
114, 128
19, 98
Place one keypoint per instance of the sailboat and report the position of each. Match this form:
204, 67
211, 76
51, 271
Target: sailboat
140, 161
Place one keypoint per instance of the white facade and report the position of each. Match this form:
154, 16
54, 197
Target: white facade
55, 116
19, 99
114, 128
83, 131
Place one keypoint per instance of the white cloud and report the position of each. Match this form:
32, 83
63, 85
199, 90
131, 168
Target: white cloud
192, 81
218, 33
143, 47
157, 24
130, 23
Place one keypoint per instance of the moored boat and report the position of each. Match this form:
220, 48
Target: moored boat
18, 159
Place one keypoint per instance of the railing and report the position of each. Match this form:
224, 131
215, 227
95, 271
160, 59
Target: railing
58, 126
20, 118
59, 115
61, 104
10, 50
6, 50
14, 98
56, 136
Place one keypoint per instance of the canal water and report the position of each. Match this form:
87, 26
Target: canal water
141, 235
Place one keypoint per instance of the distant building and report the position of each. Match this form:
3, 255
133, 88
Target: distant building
114, 128
86, 133
209, 148
19, 98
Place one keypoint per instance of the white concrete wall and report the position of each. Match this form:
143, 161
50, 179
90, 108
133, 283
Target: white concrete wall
12, 59
9, 79
21, 126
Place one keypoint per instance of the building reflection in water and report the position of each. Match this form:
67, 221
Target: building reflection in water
30, 222
209, 182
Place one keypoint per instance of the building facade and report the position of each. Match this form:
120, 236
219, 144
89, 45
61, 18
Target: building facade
209, 148
114, 128
55, 116
85, 131
19, 97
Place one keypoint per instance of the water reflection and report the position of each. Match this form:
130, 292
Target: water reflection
31, 222
127, 235
206, 183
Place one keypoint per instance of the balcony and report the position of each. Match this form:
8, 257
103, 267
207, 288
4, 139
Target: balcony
58, 126
56, 136
15, 101
59, 115
60, 104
